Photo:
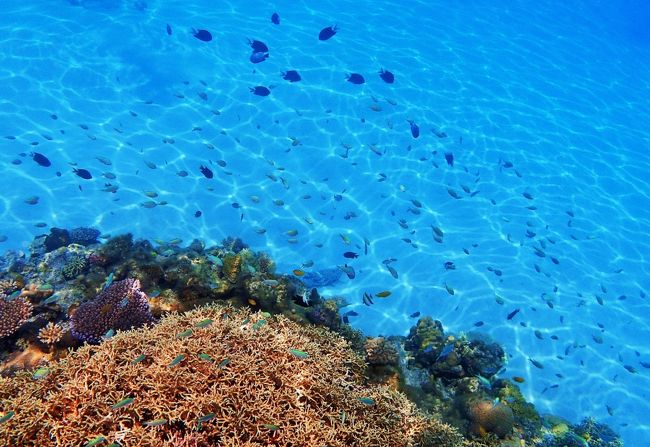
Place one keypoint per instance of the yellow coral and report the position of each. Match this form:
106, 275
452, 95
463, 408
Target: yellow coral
51, 333
217, 376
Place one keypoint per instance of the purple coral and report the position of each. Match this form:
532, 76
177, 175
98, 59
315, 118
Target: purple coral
121, 306
13, 313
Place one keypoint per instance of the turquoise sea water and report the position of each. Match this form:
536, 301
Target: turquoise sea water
544, 107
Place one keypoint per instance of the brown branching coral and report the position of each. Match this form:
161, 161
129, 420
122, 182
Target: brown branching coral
214, 376
380, 351
51, 334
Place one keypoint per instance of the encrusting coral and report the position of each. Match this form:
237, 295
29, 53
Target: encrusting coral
213, 376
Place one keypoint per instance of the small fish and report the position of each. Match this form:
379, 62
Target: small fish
298, 353
204, 323
206, 172
95, 441
260, 90
536, 363
186, 333
169, 30
392, 271
198, 213
450, 290
202, 34
177, 360
414, 315
367, 299
512, 314
350, 255
298, 272
275, 18
479, 324
155, 422
367, 401
7, 416
383, 294
205, 357
123, 403
109, 334
355, 78
83, 173
291, 76
518, 379
449, 158
41, 159
258, 57
348, 270
630, 368
182, 173
40, 373
138, 359
207, 417
104, 160
52, 299
327, 33
32, 200
222, 364
351, 313
270, 282
386, 76
271, 427
345, 238
415, 129
108, 282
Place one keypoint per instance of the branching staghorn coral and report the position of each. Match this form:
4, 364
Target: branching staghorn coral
213, 376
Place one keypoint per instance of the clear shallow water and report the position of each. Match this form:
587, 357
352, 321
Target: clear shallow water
560, 92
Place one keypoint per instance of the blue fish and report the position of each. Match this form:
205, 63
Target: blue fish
415, 130
258, 46
449, 157
275, 18
355, 78
414, 315
169, 30
258, 57
260, 90
108, 282
387, 76
202, 34
41, 159
83, 173
327, 33
448, 349
348, 270
291, 76
206, 171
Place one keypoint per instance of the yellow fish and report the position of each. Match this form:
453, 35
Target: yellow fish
383, 294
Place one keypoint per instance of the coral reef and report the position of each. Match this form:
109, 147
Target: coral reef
120, 306
214, 376
13, 313
51, 334
490, 417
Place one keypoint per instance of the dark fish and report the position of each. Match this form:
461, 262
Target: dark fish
512, 314
392, 271
258, 56
275, 18
415, 130
291, 76
351, 255
348, 270
414, 315
449, 265
198, 214
367, 299
169, 30
258, 46
449, 157
355, 78
536, 363
206, 171
387, 76
41, 159
83, 173
202, 34
260, 91
479, 324
351, 313
327, 33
